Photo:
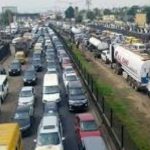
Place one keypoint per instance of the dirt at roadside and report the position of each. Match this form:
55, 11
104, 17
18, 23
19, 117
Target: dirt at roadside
140, 101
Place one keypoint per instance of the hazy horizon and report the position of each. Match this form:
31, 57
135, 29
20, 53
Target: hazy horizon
43, 5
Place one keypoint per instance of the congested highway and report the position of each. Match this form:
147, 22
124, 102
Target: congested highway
67, 118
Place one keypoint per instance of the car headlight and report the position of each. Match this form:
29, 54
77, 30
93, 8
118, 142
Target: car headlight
57, 100
44, 101
84, 101
34, 79
71, 102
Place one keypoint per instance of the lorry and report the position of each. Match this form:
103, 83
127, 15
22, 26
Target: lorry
10, 138
132, 63
22, 45
97, 46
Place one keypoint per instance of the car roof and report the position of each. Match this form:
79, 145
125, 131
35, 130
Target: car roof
71, 74
68, 67
51, 105
31, 67
66, 58
15, 61
74, 84
86, 116
23, 108
26, 88
49, 124
47, 147
2, 78
37, 52
94, 143
20, 52
51, 79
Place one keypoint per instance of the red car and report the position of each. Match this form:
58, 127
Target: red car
85, 126
65, 62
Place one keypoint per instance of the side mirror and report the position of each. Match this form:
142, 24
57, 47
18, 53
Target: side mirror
63, 138
77, 129
99, 126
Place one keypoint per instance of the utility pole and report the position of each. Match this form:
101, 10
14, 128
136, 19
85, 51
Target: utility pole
88, 4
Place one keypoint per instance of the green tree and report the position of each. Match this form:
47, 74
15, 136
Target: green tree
79, 18
147, 11
107, 12
96, 12
133, 10
7, 17
90, 15
70, 13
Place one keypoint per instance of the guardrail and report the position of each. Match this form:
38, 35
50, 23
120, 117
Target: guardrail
116, 129
4, 51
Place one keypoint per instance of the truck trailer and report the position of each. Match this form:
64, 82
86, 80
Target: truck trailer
132, 63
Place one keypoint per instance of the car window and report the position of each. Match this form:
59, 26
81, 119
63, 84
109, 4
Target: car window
15, 65
76, 91
88, 125
48, 139
51, 89
26, 93
22, 115
71, 78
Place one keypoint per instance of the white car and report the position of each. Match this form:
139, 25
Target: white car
70, 77
27, 96
68, 69
50, 134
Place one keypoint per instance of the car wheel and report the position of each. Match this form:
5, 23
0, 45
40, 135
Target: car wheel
2, 100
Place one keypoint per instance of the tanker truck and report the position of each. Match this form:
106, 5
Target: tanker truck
133, 64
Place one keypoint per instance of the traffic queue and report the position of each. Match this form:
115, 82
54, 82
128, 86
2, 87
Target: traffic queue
50, 56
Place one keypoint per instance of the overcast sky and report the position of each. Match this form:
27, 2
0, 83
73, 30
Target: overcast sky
43, 5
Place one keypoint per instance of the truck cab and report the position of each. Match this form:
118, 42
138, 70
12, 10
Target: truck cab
139, 46
20, 55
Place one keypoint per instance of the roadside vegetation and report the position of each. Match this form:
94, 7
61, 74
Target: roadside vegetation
123, 109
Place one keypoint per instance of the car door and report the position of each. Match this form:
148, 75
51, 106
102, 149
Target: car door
6, 87
77, 127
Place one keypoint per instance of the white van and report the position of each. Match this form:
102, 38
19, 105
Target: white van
3, 87
50, 134
51, 89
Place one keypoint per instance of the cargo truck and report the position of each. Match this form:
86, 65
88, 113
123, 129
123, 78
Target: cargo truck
132, 63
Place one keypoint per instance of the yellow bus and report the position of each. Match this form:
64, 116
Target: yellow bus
10, 137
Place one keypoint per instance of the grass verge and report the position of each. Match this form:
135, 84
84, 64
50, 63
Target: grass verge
121, 107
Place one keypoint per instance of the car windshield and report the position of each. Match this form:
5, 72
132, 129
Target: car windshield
27, 93
51, 89
14, 65
36, 55
69, 70
22, 115
29, 73
35, 62
88, 125
66, 61
71, 78
76, 91
48, 139
51, 65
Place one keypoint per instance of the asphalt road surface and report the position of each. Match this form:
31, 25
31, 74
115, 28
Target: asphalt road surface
10, 104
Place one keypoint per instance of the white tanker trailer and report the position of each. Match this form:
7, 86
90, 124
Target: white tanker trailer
132, 64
